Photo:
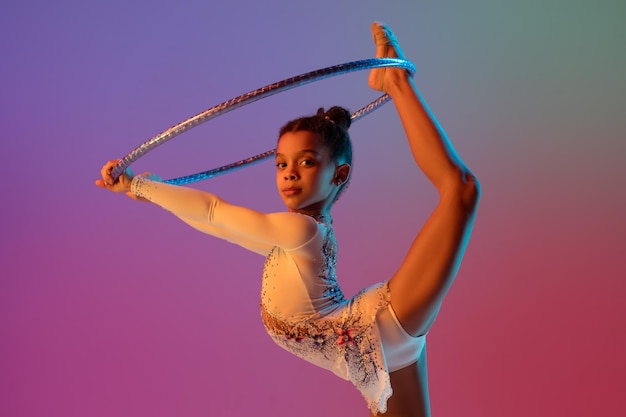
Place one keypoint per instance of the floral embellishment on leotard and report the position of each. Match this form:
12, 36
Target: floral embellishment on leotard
349, 345
346, 336
294, 338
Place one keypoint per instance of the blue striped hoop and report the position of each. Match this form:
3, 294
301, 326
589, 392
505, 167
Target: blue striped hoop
251, 97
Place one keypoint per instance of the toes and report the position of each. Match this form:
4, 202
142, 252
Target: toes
382, 35
386, 42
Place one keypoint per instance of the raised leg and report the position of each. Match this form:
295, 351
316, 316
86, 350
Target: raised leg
426, 273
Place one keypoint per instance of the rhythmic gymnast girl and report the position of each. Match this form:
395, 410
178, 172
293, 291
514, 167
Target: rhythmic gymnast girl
377, 338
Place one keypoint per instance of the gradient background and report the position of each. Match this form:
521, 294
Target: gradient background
109, 307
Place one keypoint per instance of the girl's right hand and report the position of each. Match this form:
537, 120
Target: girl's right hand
121, 184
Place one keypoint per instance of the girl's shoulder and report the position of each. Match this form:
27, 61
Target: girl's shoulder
302, 231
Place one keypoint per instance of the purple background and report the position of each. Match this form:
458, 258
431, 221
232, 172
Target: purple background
109, 307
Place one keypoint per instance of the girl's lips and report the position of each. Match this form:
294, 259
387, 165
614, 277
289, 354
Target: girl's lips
291, 191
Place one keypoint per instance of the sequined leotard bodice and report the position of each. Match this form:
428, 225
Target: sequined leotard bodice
305, 312
302, 306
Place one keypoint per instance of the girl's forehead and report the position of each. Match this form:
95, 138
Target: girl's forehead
300, 141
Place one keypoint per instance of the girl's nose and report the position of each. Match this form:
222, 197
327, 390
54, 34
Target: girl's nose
291, 176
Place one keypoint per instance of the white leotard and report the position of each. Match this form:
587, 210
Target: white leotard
302, 306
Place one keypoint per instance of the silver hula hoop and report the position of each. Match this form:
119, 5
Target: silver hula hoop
251, 97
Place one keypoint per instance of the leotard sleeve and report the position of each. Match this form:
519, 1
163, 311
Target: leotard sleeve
253, 230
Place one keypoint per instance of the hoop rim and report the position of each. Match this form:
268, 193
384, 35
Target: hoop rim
250, 97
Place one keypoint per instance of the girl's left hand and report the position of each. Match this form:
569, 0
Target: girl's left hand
122, 183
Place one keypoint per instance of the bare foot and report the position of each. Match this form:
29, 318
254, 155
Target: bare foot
387, 46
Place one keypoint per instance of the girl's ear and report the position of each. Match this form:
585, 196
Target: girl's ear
342, 174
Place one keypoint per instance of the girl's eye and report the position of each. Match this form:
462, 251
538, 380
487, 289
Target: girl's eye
306, 162
280, 165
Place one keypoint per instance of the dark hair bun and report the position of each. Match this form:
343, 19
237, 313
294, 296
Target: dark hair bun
340, 116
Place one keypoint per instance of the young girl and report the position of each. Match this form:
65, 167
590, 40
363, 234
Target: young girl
377, 338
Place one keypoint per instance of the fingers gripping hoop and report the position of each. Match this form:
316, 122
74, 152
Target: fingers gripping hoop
251, 97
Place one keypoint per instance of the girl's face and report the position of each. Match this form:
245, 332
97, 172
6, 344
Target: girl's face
306, 177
